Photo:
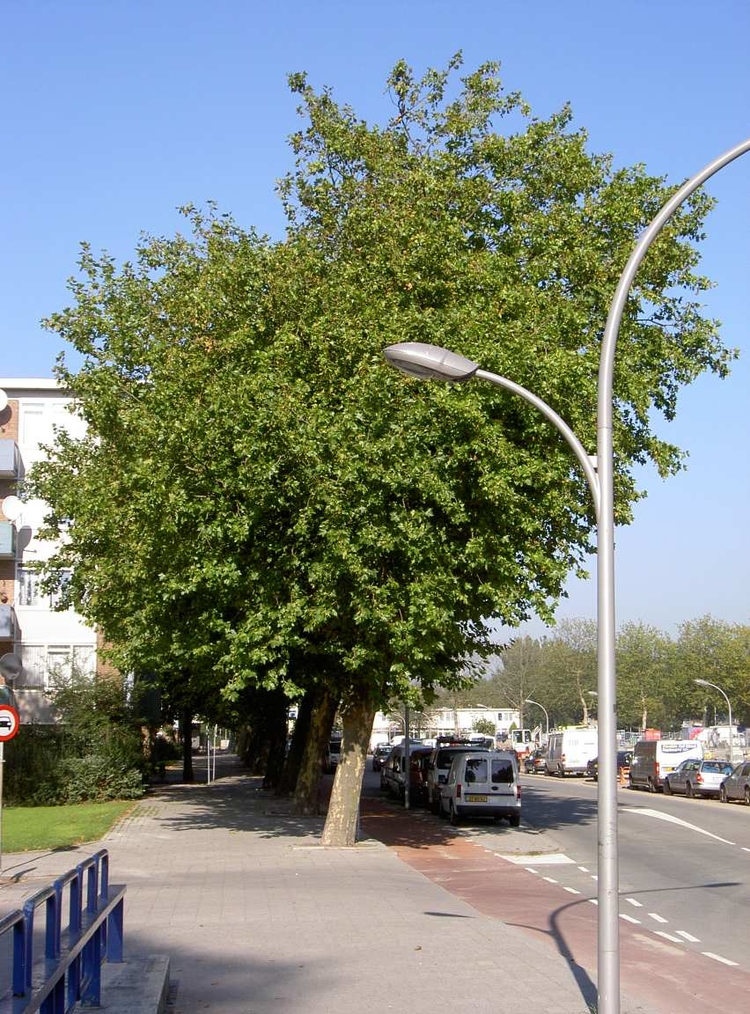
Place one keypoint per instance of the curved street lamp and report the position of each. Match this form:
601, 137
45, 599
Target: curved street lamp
546, 716
705, 683
428, 361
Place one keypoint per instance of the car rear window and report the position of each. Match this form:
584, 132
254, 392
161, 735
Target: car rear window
502, 771
476, 769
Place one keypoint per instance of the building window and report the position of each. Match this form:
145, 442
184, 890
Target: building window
41, 661
56, 597
28, 587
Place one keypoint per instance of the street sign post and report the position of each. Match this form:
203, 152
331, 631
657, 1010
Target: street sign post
9, 722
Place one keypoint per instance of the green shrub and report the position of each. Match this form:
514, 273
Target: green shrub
95, 779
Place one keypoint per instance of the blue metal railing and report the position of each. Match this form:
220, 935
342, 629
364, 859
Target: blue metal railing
70, 970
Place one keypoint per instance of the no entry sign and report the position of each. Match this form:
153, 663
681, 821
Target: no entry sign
8, 722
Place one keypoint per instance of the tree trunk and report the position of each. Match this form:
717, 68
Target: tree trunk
307, 789
187, 746
296, 753
644, 714
276, 732
342, 822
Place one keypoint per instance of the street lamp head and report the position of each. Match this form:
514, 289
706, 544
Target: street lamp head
430, 362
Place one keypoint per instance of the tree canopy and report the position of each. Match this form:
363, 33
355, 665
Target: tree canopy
256, 484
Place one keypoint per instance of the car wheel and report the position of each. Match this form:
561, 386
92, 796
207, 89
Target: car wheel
723, 795
515, 819
747, 795
689, 791
651, 785
453, 816
667, 787
435, 805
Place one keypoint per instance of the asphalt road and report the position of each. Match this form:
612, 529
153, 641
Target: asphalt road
682, 861
683, 883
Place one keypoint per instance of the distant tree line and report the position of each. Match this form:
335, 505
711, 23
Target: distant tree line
656, 675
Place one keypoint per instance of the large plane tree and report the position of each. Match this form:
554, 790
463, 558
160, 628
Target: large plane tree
258, 485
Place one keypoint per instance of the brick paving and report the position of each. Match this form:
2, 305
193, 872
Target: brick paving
256, 916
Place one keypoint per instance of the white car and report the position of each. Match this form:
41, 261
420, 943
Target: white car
482, 784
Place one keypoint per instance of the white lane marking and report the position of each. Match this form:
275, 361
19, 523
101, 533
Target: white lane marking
744, 849
572, 890
594, 901
629, 918
718, 957
594, 876
548, 859
687, 936
583, 869
668, 936
645, 812
657, 917
529, 869
635, 902
550, 880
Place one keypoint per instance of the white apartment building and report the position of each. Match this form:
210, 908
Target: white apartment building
443, 722
44, 639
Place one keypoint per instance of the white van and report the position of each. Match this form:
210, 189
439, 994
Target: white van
655, 758
482, 784
569, 750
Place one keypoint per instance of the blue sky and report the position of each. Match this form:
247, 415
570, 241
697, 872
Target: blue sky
116, 113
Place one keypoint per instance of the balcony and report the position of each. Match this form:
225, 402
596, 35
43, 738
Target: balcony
8, 624
10, 459
7, 540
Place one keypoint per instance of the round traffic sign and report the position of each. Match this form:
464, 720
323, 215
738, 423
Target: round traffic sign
9, 722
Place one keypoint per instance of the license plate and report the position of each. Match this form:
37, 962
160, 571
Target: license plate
475, 799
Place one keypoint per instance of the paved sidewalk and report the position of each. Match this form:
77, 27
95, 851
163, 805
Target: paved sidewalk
256, 917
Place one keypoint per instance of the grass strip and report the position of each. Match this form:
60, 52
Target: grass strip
26, 828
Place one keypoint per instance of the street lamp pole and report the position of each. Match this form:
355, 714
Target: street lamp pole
546, 716
428, 361
705, 683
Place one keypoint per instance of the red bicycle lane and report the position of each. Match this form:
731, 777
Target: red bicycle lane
653, 972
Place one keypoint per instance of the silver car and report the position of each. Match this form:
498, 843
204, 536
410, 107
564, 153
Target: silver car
737, 785
697, 778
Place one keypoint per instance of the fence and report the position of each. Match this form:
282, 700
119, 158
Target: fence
69, 972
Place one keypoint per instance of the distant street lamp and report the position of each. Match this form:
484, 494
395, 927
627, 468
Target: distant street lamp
705, 683
546, 716
429, 361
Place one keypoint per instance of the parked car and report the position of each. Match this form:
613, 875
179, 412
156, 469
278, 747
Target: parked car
379, 755
736, 785
482, 784
333, 756
438, 767
624, 758
393, 771
535, 762
653, 759
697, 778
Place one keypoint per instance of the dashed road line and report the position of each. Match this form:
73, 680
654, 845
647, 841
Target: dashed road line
668, 936
718, 957
687, 936
572, 890
584, 869
594, 901
629, 918
550, 880
634, 902
657, 917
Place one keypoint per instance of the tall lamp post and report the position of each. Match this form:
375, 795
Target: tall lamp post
546, 716
705, 683
428, 361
